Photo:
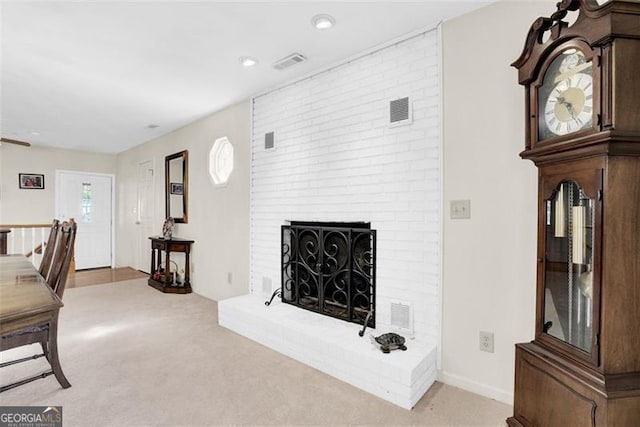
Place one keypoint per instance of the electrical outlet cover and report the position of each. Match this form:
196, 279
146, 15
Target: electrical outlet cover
486, 341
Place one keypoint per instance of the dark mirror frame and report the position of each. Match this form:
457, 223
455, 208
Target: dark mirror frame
185, 180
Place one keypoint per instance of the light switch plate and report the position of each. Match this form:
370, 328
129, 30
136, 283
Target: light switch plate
460, 209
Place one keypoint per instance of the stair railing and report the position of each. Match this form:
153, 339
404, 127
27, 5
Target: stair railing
26, 239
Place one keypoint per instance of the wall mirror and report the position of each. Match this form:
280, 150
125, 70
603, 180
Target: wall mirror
176, 173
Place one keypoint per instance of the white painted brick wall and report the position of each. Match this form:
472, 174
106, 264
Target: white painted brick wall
336, 159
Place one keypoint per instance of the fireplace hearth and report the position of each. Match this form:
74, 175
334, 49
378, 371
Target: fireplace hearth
329, 268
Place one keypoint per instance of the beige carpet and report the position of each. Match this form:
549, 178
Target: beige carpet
137, 357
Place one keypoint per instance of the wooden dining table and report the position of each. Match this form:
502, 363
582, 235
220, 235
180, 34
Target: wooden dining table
27, 301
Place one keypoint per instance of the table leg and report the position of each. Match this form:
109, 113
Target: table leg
153, 262
187, 275
52, 354
167, 268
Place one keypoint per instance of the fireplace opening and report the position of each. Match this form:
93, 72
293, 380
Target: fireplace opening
329, 268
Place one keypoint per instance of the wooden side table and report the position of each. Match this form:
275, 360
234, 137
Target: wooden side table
164, 280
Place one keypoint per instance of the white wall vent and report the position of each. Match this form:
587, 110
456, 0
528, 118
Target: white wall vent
402, 318
266, 286
293, 59
268, 141
400, 112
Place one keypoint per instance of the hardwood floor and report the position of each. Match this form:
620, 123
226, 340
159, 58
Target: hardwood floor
99, 276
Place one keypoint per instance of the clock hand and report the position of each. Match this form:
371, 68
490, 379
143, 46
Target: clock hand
568, 106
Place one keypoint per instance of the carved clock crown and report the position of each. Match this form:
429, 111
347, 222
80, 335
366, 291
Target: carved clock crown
596, 25
586, 104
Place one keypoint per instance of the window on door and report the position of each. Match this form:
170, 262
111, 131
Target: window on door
87, 202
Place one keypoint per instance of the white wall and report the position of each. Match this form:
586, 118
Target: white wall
336, 159
20, 206
489, 260
218, 215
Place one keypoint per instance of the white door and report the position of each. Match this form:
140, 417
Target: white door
87, 198
144, 216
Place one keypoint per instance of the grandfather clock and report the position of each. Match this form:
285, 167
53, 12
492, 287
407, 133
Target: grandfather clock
582, 90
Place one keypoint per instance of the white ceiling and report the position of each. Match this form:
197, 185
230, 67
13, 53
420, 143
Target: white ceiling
93, 75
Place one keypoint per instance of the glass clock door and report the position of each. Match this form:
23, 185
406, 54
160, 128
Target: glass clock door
568, 275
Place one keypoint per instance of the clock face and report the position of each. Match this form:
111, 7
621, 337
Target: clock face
569, 106
565, 98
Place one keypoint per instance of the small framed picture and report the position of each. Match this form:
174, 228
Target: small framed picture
177, 188
31, 181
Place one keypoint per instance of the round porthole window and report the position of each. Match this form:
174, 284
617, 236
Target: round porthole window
221, 161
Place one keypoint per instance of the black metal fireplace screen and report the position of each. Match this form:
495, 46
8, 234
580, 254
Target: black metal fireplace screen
330, 268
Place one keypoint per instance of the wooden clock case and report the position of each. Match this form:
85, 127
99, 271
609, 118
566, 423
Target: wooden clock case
596, 384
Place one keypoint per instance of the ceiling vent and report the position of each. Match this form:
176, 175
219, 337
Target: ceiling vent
293, 59
400, 112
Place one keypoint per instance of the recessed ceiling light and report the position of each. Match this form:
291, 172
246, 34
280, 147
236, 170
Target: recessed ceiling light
152, 126
34, 133
323, 21
248, 61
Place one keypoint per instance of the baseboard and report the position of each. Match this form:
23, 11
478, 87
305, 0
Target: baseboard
475, 387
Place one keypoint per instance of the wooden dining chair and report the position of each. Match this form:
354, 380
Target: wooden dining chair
49, 249
62, 257
46, 333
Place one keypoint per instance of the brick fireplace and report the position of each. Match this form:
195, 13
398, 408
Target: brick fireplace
324, 150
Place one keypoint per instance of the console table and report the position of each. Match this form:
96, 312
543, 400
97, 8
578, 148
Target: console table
163, 279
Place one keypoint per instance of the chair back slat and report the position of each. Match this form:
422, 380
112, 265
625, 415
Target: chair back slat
47, 257
62, 257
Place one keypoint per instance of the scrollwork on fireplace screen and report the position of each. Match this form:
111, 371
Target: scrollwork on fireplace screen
329, 268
